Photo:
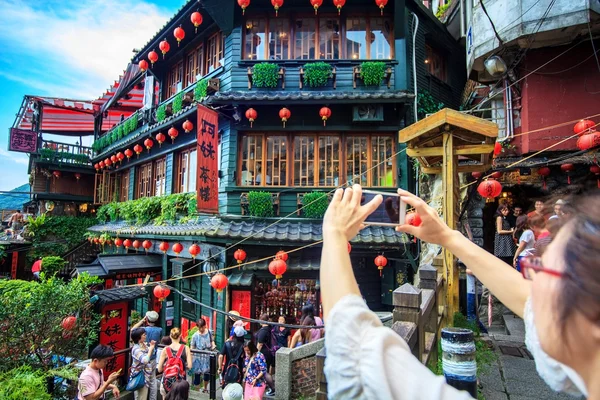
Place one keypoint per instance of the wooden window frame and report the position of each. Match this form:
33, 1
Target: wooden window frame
218, 38
124, 195
159, 169
181, 187
432, 55
143, 186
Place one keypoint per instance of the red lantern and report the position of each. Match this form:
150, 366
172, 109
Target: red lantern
380, 262
594, 169
325, 113
56, 174
381, 4
118, 242
138, 150
339, 4
153, 57
544, 172
68, 323
497, 148
177, 248
567, 168
97, 166
164, 247
244, 4
196, 19
277, 267
284, 114
148, 143
251, 115
101, 164
173, 134
194, 250
476, 175
143, 64
281, 255
120, 157
588, 141
188, 126
219, 282
107, 162
413, 218
583, 126
77, 176
127, 244
277, 4
489, 188
136, 245
349, 247
497, 175
239, 255
108, 242
161, 292
128, 154
147, 245
160, 138
113, 159
316, 4
179, 34
164, 47
96, 240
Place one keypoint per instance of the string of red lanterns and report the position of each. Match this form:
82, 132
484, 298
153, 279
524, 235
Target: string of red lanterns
316, 4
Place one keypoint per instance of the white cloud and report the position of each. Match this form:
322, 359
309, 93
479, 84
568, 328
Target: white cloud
18, 158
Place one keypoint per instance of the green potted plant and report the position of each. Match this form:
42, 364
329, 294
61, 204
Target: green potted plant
161, 113
260, 204
265, 75
317, 74
177, 103
372, 72
314, 204
200, 90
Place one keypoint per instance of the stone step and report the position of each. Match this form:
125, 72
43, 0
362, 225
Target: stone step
514, 325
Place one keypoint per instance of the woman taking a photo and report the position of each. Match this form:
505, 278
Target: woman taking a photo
558, 294
255, 369
141, 363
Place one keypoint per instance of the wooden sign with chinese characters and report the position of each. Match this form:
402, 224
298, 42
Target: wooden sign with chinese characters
113, 333
207, 176
240, 302
22, 140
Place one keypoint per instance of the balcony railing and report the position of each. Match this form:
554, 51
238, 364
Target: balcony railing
65, 153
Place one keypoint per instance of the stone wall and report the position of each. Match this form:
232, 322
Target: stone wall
296, 371
304, 382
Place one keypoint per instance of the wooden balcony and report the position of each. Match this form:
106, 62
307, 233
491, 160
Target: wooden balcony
64, 154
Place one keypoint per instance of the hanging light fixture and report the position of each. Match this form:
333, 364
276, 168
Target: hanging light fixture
544, 172
284, 114
164, 247
244, 4
489, 188
219, 282
316, 4
177, 248
495, 66
277, 5
173, 134
251, 115
138, 150
153, 57
567, 168
164, 47
381, 4
194, 250
128, 154
239, 255
148, 143
179, 34
583, 126
188, 126
339, 4
147, 245
196, 19
380, 262
143, 64
120, 157
160, 138
325, 114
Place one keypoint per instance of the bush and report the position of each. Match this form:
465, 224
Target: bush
51, 265
177, 103
161, 113
372, 72
265, 75
200, 91
158, 208
260, 204
314, 204
23, 383
317, 74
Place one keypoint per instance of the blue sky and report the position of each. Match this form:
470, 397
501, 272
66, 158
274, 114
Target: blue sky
66, 48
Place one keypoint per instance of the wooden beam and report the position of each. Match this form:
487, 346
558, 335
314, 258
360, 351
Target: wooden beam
461, 169
470, 149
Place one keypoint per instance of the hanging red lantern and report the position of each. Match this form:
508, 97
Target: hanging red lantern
118, 242
109, 242
497, 148
161, 292
349, 247
97, 166
56, 174
583, 126
219, 282
128, 154
160, 138
239, 255
179, 34
136, 245
284, 114
194, 250
244, 4
489, 188
173, 134
177, 248
544, 172
316, 4
147, 245
107, 162
339, 4
148, 143
588, 141
476, 175
567, 168
251, 115
380, 262
143, 64
497, 175
164, 247
77, 176
413, 218
138, 150
68, 323
381, 4
164, 47
127, 244
153, 57
277, 4
594, 169
277, 267
281, 255
114, 159
120, 157
325, 113
101, 164
196, 19
188, 126
96, 240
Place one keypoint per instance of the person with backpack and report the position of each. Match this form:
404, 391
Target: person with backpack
231, 359
255, 371
266, 342
174, 361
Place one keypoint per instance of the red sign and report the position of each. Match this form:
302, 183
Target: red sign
113, 333
22, 140
132, 275
207, 176
240, 302
14, 265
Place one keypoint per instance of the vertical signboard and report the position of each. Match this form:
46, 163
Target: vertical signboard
22, 140
15, 264
113, 333
207, 176
240, 302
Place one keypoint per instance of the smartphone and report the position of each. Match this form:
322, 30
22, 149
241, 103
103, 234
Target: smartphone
391, 211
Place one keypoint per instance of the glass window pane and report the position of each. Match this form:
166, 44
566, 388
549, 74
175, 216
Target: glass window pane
193, 167
276, 162
329, 38
255, 33
381, 32
329, 160
356, 159
183, 172
304, 40
252, 155
356, 38
279, 39
382, 162
304, 161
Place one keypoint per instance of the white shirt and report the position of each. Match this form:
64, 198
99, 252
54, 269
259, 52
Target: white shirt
529, 238
366, 360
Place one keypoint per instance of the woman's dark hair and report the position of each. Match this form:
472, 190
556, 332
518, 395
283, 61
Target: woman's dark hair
166, 340
522, 225
136, 334
101, 352
305, 332
251, 346
179, 391
265, 317
501, 208
307, 311
201, 323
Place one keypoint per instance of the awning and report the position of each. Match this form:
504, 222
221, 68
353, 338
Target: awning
241, 279
119, 294
130, 264
293, 265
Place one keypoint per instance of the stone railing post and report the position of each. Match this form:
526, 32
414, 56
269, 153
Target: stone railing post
407, 308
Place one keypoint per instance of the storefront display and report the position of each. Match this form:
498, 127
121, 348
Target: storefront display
286, 297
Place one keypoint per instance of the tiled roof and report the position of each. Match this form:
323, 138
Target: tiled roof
293, 264
120, 294
260, 230
262, 96
241, 278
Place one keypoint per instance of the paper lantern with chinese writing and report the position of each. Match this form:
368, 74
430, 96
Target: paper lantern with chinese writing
118, 242
173, 132
219, 282
325, 113
349, 247
177, 248
316, 4
161, 292
284, 114
128, 154
153, 57
143, 64
127, 243
194, 250
244, 4
239, 255
381, 4
380, 262
120, 157
196, 19
277, 267
339, 4
277, 4
179, 34
160, 138
56, 174
544, 172
567, 168
497, 148
281, 255
583, 126
588, 141
147, 245
251, 115
164, 247
489, 188
594, 169
164, 47
188, 126
148, 143
68, 323
136, 245
138, 150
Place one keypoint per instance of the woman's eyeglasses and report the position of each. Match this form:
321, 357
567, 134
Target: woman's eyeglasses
532, 265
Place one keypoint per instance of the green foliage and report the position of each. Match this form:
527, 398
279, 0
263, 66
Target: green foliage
23, 383
441, 10
190, 334
117, 133
161, 113
51, 265
316, 74
372, 72
177, 103
426, 104
47, 154
265, 75
161, 209
314, 204
260, 204
135, 317
200, 90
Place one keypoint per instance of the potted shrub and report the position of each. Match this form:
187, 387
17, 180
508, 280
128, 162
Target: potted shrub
317, 74
200, 91
265, 75
314, 204
177, 103
372, 72
161, 113
260, 204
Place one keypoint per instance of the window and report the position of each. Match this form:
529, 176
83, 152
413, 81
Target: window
356, 38
436, 64
381, 37
160, 177
214, 51
329, 38
187, 162
194, 65
254, 39
174, 79
304, 40
151, 179
144, 180
124, 190
317, 160
279, 39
